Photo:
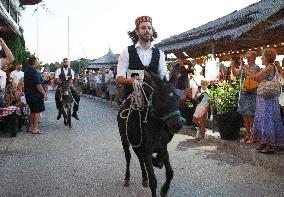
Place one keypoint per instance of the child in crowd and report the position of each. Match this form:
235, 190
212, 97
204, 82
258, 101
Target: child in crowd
199, 116
10, 98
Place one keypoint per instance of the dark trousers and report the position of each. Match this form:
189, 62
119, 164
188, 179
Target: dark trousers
75, 95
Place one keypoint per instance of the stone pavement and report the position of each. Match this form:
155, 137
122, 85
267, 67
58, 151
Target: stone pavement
275, 161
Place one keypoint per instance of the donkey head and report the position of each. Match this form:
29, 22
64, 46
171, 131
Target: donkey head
165, 102
66, 93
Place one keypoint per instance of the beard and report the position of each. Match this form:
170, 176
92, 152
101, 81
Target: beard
146, 38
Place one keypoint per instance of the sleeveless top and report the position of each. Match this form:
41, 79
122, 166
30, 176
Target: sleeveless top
136, 64
68, 76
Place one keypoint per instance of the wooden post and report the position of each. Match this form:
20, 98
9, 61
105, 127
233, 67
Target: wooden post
213, 50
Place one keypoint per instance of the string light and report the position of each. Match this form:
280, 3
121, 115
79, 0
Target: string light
242, 50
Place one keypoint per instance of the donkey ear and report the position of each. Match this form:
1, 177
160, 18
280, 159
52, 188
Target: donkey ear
149, 78
164, 78
147, 74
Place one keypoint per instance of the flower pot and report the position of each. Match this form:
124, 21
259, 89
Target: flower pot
229, 125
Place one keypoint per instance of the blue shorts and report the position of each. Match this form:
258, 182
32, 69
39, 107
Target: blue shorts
36, 104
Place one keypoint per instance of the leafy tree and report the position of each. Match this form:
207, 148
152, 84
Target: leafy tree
54, 66
79, 65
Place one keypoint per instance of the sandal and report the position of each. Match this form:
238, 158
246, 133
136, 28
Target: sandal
36, 132
267, 150
261, 146
249, 141
244, 140
199, 139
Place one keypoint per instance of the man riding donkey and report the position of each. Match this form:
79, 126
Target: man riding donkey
133, 61
62, 74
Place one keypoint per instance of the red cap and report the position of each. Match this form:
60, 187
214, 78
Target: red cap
142, 19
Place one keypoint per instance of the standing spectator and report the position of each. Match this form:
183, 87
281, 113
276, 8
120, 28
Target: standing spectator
3, 81
46, 79
34, 93
199, 116
267, 127
247, 100
175, 73
4, 61
98, 80
281, 97
16, 75
9, 56
195, 80
112, 90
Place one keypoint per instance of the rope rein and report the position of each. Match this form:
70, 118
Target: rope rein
137, 103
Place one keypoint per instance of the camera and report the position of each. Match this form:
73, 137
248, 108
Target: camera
236, 60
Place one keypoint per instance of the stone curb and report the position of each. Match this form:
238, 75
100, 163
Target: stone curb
273, 161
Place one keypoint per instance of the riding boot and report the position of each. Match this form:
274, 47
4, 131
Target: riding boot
59, 114
75, 115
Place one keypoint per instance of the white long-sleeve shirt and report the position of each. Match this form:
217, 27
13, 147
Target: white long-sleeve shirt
3, 78
145, 56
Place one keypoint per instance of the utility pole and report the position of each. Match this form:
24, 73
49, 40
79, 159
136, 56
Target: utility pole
68, 42
37, 36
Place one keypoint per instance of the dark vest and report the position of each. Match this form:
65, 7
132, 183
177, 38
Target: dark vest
69, 75
136, 64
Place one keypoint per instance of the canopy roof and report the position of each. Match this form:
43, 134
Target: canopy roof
29, 2
108, 60
259, 24
10, 13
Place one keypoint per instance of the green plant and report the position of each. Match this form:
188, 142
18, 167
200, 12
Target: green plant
224, 97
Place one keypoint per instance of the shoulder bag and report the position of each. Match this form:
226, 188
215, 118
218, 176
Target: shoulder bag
270, 89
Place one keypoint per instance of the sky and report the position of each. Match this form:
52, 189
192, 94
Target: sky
95, 26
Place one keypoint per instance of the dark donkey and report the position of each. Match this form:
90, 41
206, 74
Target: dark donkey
151, 136
66, 102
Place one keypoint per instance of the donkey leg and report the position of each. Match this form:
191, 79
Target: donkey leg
151, 174
169, 174
143, 169
125, 145
127, 158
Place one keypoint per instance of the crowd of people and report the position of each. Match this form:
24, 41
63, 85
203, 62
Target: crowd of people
101, 83
261, 117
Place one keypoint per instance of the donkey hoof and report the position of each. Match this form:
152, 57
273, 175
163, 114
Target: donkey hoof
163, 194
164, 191
126, 183
145, 183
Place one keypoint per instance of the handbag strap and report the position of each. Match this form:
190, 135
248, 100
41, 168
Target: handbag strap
277, 76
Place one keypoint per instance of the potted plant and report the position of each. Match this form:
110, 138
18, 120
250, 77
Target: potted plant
224, 101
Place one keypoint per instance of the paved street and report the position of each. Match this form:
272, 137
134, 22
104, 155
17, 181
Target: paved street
88, 160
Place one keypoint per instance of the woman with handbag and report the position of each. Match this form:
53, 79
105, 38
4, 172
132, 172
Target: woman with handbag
267, 127
281, 79
247, 96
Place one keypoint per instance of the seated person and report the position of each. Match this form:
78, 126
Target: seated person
10, 98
